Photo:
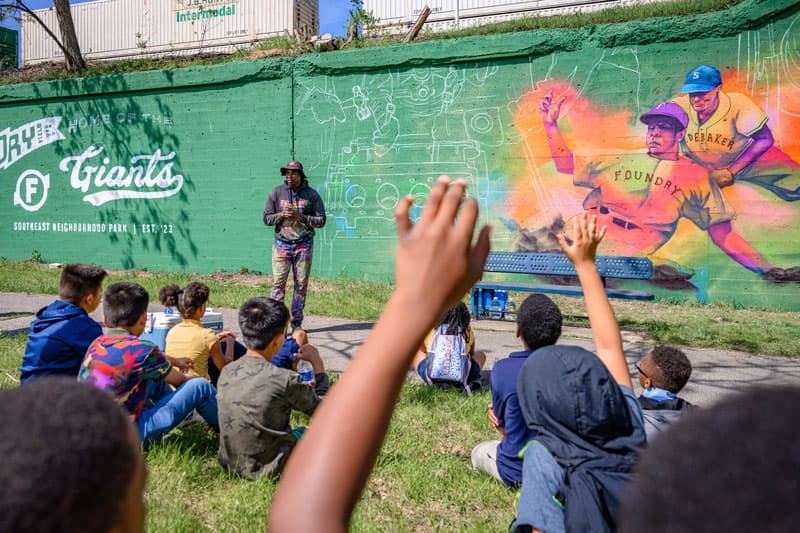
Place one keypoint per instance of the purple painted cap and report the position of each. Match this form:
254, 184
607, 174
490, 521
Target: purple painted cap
667, 110
701, 80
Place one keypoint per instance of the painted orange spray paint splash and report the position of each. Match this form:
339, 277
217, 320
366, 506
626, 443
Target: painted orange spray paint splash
584, 128
541, 193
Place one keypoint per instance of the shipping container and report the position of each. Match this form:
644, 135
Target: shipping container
118, 29
398, 15
8, 48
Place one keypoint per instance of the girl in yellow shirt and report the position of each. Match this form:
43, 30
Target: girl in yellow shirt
190, 339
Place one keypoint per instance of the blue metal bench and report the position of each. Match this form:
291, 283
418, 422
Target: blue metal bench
616, 267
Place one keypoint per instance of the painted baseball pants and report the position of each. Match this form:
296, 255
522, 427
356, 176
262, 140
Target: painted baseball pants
297, 258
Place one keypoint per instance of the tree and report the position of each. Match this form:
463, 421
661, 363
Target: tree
72, 50
69, 40
360, 20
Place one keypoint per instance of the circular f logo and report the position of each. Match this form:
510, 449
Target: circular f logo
32, 187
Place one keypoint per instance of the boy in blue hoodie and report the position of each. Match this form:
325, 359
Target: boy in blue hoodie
62, 331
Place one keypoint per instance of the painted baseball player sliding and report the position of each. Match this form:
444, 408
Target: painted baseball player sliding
728, 134
641, 195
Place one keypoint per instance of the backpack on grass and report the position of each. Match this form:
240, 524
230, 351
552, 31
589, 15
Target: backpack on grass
447, 360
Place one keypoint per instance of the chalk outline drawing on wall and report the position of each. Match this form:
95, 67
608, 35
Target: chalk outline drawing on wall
389, 160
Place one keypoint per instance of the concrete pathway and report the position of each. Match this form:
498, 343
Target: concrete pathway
717, 373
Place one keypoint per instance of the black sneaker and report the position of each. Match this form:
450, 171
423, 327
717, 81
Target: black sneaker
782, 275
297, 324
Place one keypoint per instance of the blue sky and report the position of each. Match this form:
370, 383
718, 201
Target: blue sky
332, 14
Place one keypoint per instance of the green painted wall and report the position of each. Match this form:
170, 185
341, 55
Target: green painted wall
202, 140
372, 125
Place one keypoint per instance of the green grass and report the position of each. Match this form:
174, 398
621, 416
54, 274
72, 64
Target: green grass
12, 315
352, 299
711, 326
422, 479
719, 326
11, 350
675, 8
291, 46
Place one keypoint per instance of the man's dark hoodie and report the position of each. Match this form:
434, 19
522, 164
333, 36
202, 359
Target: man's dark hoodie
307, 200
60, 335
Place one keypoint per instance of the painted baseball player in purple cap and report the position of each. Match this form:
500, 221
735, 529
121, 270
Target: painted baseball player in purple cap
728, 134
640, 196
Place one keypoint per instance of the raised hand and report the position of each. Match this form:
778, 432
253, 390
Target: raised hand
550, 110
605, 330
435, 266
585, 241
436, 261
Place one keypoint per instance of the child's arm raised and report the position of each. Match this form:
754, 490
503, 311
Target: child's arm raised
605, 330
435, 266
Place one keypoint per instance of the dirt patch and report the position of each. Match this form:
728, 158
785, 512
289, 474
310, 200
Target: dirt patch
240, 278
135, 273
247, 279
270, 52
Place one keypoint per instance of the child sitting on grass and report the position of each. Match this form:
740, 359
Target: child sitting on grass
72, 460
62, 331
539, 322
136, 373
699, 477
662, 374
296, 348
328, 470
454, 322
588, 423
256, 398
189, 338
168, 297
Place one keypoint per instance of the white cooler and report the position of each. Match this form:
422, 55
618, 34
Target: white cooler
159, 324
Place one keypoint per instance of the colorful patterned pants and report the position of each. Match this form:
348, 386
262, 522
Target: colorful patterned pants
297, 258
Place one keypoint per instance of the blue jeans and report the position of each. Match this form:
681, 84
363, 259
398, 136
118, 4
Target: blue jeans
542, 476
172, 407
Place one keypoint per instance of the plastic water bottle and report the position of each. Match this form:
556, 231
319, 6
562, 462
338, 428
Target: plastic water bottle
511, 310
305, 370
496, 309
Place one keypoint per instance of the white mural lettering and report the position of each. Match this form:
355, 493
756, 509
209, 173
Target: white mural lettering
31, 184
17, 143
153, 171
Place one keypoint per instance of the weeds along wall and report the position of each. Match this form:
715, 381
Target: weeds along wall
169, 170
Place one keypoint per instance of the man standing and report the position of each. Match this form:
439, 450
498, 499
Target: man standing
728, 134
640, 196
295, 209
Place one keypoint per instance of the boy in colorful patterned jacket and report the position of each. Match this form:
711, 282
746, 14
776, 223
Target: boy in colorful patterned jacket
138, 374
